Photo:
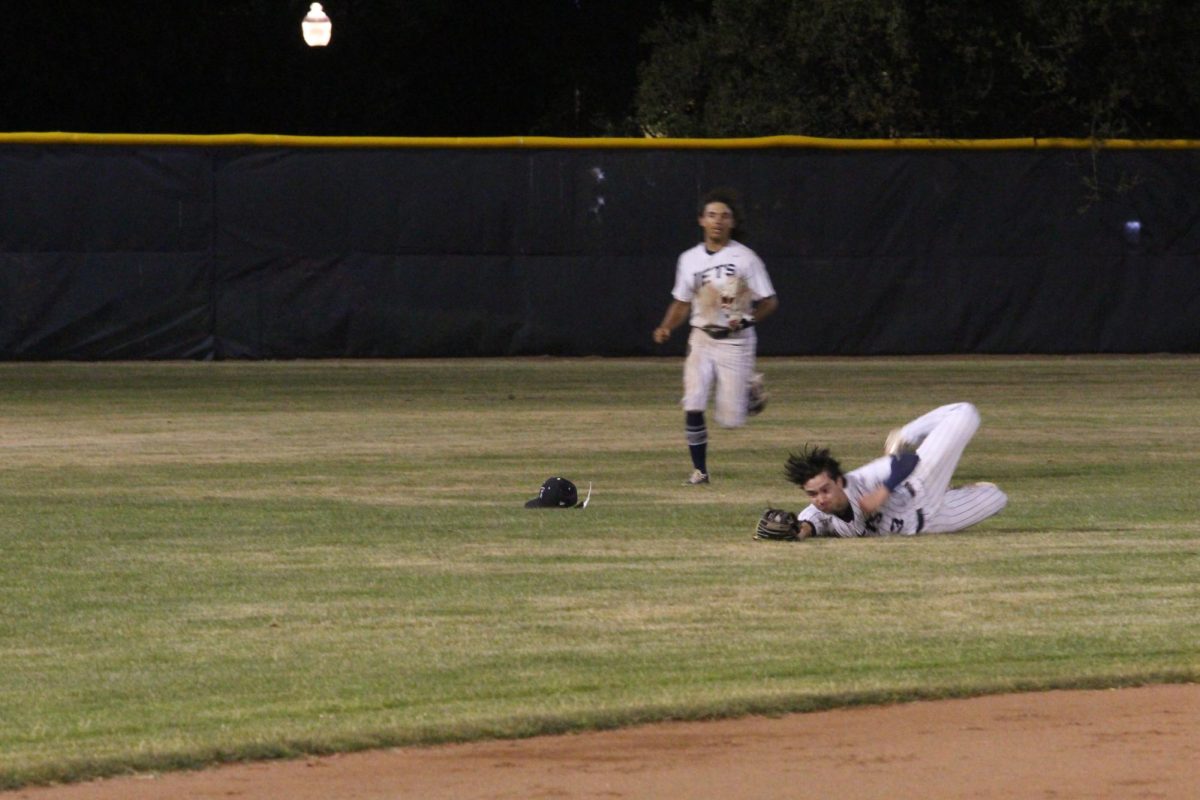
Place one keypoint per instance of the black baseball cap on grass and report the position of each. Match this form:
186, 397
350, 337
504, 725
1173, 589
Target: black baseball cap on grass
556, 493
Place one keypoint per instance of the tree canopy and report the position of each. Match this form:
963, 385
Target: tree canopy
924, 68
702, 68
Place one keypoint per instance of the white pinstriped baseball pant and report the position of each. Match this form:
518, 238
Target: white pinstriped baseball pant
728, 362
943, 435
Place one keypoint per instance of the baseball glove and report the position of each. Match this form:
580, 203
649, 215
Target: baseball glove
777, 525
720, 303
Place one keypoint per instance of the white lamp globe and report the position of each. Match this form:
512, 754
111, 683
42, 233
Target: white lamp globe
316, 26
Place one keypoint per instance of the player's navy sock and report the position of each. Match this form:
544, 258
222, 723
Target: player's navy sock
697, 438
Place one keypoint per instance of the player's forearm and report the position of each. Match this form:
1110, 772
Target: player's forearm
812, 522
765, 308
676, 313
901, 467
873, 500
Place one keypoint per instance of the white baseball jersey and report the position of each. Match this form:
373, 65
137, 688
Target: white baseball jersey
727, 362
922, 502
893, 517
697, 266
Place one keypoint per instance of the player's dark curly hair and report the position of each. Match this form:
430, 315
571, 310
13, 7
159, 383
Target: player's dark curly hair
809, 463
723, 195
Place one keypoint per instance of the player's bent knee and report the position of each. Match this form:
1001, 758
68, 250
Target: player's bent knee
966, 410
965, 415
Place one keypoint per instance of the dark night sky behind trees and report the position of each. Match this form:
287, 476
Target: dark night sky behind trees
950, 68
393, 67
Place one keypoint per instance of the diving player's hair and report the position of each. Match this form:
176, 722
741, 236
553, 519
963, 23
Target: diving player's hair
809, 463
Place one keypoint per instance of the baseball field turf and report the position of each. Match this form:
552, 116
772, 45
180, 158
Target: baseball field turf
213, 561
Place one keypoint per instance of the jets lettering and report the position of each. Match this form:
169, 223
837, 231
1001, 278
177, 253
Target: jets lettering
716, 273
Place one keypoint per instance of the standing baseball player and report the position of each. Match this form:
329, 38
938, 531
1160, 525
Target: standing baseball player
722, 288
907, 491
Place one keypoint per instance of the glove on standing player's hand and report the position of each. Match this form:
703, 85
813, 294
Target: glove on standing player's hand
777, 525
724, 306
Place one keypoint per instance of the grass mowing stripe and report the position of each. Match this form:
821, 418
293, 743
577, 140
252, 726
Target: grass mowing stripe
202, 562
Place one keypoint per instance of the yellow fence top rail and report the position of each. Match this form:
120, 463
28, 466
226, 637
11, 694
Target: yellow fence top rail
554, 142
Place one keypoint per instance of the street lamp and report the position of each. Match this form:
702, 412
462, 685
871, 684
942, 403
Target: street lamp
316, 26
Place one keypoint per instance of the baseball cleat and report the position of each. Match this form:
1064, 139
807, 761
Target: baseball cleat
897, 445
697, 478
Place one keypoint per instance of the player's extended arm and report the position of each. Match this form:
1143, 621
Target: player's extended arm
677, 312
811, 522
902, 467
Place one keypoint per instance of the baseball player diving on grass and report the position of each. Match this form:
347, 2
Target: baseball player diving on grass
905, 492
722, 288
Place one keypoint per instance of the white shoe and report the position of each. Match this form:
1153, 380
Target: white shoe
897, 445
697, 478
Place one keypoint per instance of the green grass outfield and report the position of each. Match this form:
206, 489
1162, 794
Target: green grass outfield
204, 562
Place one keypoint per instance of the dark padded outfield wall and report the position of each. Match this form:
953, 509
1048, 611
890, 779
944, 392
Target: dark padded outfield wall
263, 247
